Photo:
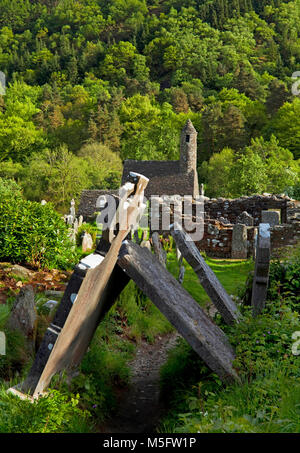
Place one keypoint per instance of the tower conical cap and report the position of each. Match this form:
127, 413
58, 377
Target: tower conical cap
189, 128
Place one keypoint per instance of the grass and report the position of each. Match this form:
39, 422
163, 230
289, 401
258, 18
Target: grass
268, 401
231, 273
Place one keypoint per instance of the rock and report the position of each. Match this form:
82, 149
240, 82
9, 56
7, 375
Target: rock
5, 265
52, 293
24, 315
245, 219
21, 272
224, 221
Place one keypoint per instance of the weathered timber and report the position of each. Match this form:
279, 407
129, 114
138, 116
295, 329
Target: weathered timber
116, 284
207, 277
180, 309
84, 316
262, 267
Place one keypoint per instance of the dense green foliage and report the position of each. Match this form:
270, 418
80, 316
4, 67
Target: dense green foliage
123, 77
32, 233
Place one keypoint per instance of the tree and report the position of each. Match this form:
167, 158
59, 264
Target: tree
286, 127
278, 95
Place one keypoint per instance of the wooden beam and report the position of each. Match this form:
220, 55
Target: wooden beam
207, 277
208, 340
83, 318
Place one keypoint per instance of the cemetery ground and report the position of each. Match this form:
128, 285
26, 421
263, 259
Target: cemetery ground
139, 366
95, 398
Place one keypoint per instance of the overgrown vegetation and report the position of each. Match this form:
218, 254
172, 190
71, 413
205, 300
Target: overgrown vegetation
32, 233
104, 371
268, 399
91, 82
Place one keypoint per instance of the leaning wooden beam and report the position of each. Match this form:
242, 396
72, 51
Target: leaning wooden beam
116, 284
207, 277
84, 316
262, 267
179, 308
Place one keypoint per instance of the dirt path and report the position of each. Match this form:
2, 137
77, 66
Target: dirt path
140, 408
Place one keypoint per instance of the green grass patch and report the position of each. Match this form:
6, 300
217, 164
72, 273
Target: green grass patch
232, 275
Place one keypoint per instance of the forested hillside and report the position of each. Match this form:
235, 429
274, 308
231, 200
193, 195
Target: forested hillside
93, 82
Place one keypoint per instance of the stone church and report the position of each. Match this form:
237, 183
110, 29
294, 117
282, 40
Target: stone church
177, 177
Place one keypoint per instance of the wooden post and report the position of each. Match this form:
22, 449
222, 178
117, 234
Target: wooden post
116, 284
207, 277
83, 319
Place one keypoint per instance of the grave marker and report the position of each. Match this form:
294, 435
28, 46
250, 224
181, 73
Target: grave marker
262, 266
270, 217
239, 247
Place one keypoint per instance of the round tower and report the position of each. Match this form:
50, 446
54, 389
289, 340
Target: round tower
188, 155
188, 149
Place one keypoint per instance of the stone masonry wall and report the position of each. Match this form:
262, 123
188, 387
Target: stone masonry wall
231, 209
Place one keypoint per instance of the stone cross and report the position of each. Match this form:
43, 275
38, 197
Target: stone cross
262, 265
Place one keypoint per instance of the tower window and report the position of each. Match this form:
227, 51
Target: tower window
187, 139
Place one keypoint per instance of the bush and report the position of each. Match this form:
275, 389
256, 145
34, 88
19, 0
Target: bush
54, 413
32, 233
9, 190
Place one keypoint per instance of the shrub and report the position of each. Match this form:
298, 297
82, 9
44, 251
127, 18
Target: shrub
9, 190
54, 413
32, 233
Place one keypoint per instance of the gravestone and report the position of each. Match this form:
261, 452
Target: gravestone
183, 312
262, 266
239, 247
87, 242
245, 219
270, 217
207, 277
24, 316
